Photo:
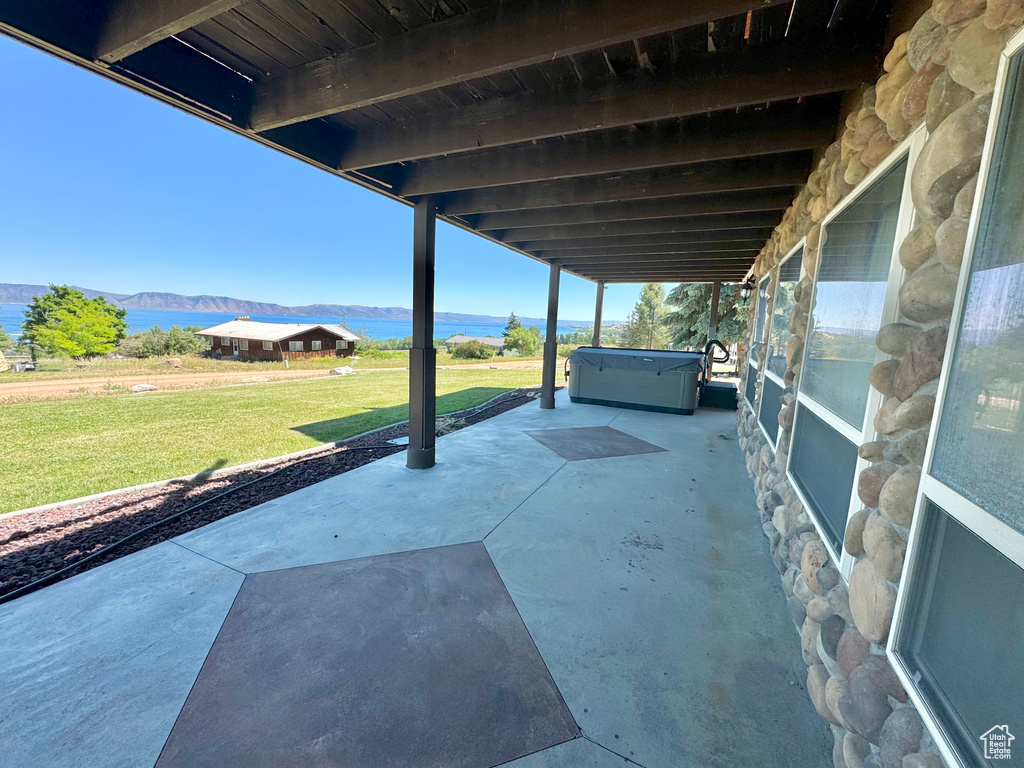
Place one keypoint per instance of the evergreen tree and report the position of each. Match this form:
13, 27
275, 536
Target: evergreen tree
6, 342
511, 325
687, 324
645, 329
64, 322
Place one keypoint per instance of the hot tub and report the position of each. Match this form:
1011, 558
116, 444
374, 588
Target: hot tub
647, 380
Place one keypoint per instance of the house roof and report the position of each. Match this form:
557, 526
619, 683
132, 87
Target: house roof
249, 329
491, 341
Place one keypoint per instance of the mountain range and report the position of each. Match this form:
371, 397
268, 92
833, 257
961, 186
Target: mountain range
19, 293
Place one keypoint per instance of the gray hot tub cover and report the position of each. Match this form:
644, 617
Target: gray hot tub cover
658, 361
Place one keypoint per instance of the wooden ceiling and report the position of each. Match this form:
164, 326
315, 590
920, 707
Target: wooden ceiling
628, 142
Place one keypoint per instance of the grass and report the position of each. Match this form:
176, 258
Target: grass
61, 449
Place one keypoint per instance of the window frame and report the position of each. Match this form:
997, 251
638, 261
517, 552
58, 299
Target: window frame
756, 367
1002, 537
268, 346
776, 273
340, 344
243, 345
292, 347
316, 345
909, 149
225, 341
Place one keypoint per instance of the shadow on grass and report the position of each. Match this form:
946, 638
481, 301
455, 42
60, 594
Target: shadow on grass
373, 418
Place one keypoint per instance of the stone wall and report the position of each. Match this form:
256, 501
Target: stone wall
942, 73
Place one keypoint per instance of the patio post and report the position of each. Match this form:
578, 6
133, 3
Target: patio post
547, 387
598, 307
422, 356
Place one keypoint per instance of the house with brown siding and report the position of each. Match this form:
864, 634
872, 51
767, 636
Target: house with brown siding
245, 339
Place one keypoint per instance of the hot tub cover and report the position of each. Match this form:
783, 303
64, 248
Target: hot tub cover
657, 360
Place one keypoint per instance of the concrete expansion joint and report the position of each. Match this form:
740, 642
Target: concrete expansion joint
608, 749
207, 557
520, 504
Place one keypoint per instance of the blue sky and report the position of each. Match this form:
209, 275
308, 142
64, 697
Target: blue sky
105, 188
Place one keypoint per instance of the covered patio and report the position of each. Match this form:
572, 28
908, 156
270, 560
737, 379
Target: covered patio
511, 606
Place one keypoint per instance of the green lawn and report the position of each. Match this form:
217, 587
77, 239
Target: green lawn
53, 450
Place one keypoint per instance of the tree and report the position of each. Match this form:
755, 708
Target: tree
64, 322
6, 342
473, 350
511, 325
688, 323
157, 342
645, 329
524, 342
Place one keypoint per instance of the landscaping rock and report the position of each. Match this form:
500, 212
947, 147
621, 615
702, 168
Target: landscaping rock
884, 421
794, 349
922, 760
852, 650
882, 675
919, 246
940, 55
883, 375
797, 611
900, 736
143, 388
953, 11
950, 241
915, 412
871, 481
831, 629
889, 87
928, 294
921, 364
1004, 14
818, 609
912, 445
817, 679
872, 600
892, 453
796, 551
801, 591
344, 370
839, 600
951, 157
853, 542
925, 35
944, 98
884, 546
864, 706
894, 338
964, 200
835, 689
974, 57
855, 172
878, 148
915, 104
828, 578
897, 125
897, 52
855, 749
809, 642
814, 556
898, 495
872, 451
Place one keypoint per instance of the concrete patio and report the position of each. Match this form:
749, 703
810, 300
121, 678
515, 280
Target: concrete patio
508, 606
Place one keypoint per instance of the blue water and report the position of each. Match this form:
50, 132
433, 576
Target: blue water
12, 316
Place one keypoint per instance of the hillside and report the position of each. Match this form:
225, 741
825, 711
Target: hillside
20, 293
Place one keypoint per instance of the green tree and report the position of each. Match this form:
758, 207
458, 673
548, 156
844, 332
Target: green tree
524, 342
687, 324
157, 342
511, 325
645, 329
473, 350
6, 342
64, 322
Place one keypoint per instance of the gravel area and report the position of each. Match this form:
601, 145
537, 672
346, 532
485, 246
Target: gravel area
37, 545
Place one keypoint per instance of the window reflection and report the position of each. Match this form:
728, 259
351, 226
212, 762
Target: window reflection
785, 300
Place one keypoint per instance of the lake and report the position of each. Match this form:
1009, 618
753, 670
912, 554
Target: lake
13, 315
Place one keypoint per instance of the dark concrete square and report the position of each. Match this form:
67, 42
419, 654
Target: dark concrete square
412, 659
578, 443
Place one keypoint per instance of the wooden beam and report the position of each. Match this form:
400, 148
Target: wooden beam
733, 176
658, 208
501, 36
682, 275
132, 25
732, 136
755, 75
573, 257
739, 238
735, 223
687, 278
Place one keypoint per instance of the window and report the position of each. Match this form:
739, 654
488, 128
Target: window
315, 345
958, 631
225, 341
773, 387
756, 343
341, 344
855, 294
268, 346
243, 344
295, 346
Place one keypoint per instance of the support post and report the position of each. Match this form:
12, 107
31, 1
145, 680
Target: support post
598, 307
422, 356
547, 387
716, 289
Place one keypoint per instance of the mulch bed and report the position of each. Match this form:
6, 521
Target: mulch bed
37, 545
